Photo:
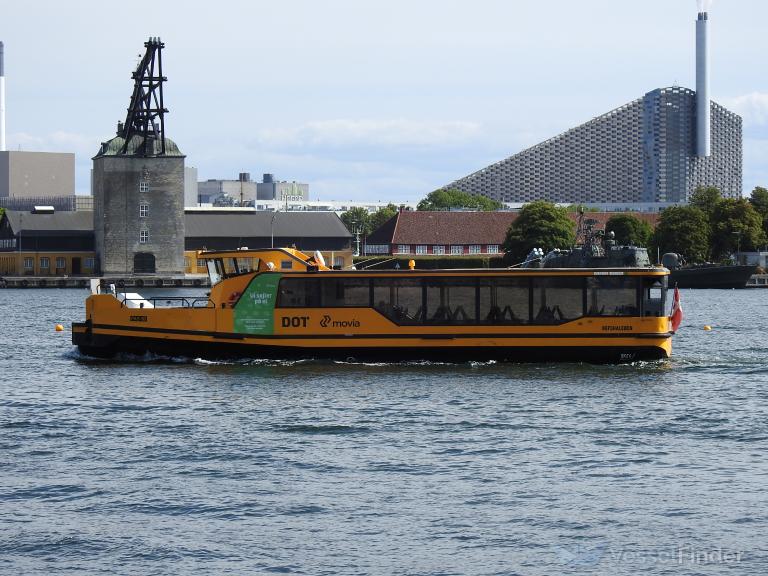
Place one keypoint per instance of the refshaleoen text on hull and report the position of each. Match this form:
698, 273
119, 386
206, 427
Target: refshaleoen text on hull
282, 303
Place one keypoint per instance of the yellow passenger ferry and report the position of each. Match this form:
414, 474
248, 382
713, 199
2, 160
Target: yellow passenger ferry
282, 303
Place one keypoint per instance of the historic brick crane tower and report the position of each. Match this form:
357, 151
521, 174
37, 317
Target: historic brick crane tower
138, 183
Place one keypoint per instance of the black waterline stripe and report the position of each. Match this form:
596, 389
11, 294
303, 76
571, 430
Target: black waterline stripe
238, 336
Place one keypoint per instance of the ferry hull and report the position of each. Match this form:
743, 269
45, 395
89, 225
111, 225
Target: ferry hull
552, 349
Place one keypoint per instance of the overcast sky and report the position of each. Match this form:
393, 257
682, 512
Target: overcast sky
367, 99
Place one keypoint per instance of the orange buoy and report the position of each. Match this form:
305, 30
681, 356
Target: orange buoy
59, 328
707, 327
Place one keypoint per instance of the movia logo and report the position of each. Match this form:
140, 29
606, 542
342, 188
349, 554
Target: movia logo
328, 321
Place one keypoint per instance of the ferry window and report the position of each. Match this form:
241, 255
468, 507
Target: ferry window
612, 296
654, 296
338, 292
245, 265
299, 293
451, 301
557, 299
286, 265
399, 299
230, 267
214, 271
504, 301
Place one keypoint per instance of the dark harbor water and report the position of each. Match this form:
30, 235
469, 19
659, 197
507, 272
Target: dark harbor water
168, 466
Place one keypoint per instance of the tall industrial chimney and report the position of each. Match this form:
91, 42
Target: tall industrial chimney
2, 98
703, 138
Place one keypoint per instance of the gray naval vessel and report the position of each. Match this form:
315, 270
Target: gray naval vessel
596, 249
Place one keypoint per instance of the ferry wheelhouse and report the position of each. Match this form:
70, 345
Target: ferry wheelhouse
282, 303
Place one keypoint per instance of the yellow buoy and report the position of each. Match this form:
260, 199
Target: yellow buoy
412, 264
707, 328
59, 328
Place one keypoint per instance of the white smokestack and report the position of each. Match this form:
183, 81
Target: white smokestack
703, 138
2, 98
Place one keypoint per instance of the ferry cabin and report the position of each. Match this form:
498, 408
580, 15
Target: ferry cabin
283, 303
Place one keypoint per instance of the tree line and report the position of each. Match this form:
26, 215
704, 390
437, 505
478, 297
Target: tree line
709, 229
360, 220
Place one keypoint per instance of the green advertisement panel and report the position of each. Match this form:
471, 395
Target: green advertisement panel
254, 313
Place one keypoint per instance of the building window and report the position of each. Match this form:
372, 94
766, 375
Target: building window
61, 263
143, 210
474, 249
403, 248
421, 249
28, 264
438, 249
493, 248
45, 263
144, 236
89, 263
143, 186
200, 263
457, 250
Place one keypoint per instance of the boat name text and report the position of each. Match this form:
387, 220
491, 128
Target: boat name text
617, 328
295, 321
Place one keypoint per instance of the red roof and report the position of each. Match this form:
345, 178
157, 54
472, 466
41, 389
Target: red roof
463, 228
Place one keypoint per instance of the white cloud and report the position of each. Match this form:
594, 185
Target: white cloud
81, 145
753, 107
342, 133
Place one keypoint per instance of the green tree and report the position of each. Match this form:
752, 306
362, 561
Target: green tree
629, 230
382, 215
447, 199
736, 225
759, 201
685, 230
705, 198
540, 224
357, 218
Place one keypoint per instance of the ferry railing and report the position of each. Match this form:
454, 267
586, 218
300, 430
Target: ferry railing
167, 302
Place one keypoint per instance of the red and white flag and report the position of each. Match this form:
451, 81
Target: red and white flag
677, 311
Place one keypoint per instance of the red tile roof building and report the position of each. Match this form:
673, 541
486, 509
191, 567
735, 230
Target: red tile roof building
457, 233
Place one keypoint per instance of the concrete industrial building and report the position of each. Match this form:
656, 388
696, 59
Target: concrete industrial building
272, 189
36, 174
240, 192
138, 184
246, 192
655, 150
